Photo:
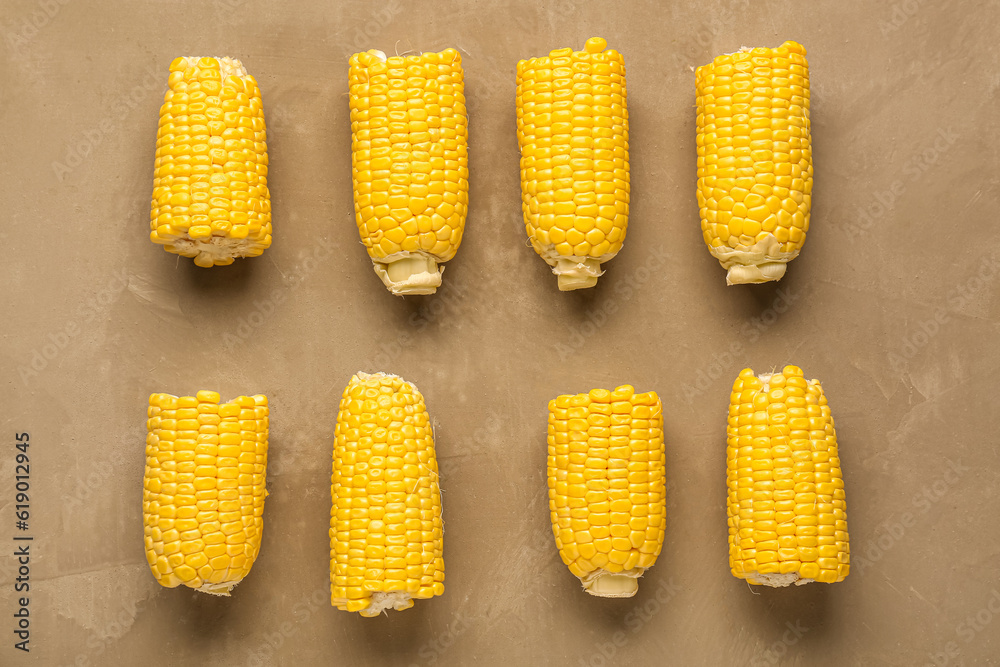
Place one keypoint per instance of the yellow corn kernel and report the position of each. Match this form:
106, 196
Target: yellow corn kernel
572, 129
787, 517
386, 532
210, 197
606, 486
203, 493
410, 164
755, 159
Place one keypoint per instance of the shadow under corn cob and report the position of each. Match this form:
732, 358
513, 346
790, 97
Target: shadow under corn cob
755, 168
210, 196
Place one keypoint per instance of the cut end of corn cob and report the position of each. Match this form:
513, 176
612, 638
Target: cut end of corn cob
606, 486
386, 531
411, 274
603, 584
787, 515
760, 263
575, 272
210, 197
572, 129
755, 159
409, 155
204, 489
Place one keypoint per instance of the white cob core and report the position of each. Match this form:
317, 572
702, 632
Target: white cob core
760, 263
605, 584
407, 273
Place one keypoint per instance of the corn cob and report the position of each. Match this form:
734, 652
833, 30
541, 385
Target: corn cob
755, 160
787, 521
606, 486
210, 197
409, 163
386, 532
203, 490
572, 129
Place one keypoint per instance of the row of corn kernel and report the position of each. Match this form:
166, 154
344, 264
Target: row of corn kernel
203, 496
410, 161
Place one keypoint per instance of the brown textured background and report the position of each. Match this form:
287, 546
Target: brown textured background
885, 307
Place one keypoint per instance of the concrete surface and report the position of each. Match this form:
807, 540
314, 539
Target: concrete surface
885, 305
